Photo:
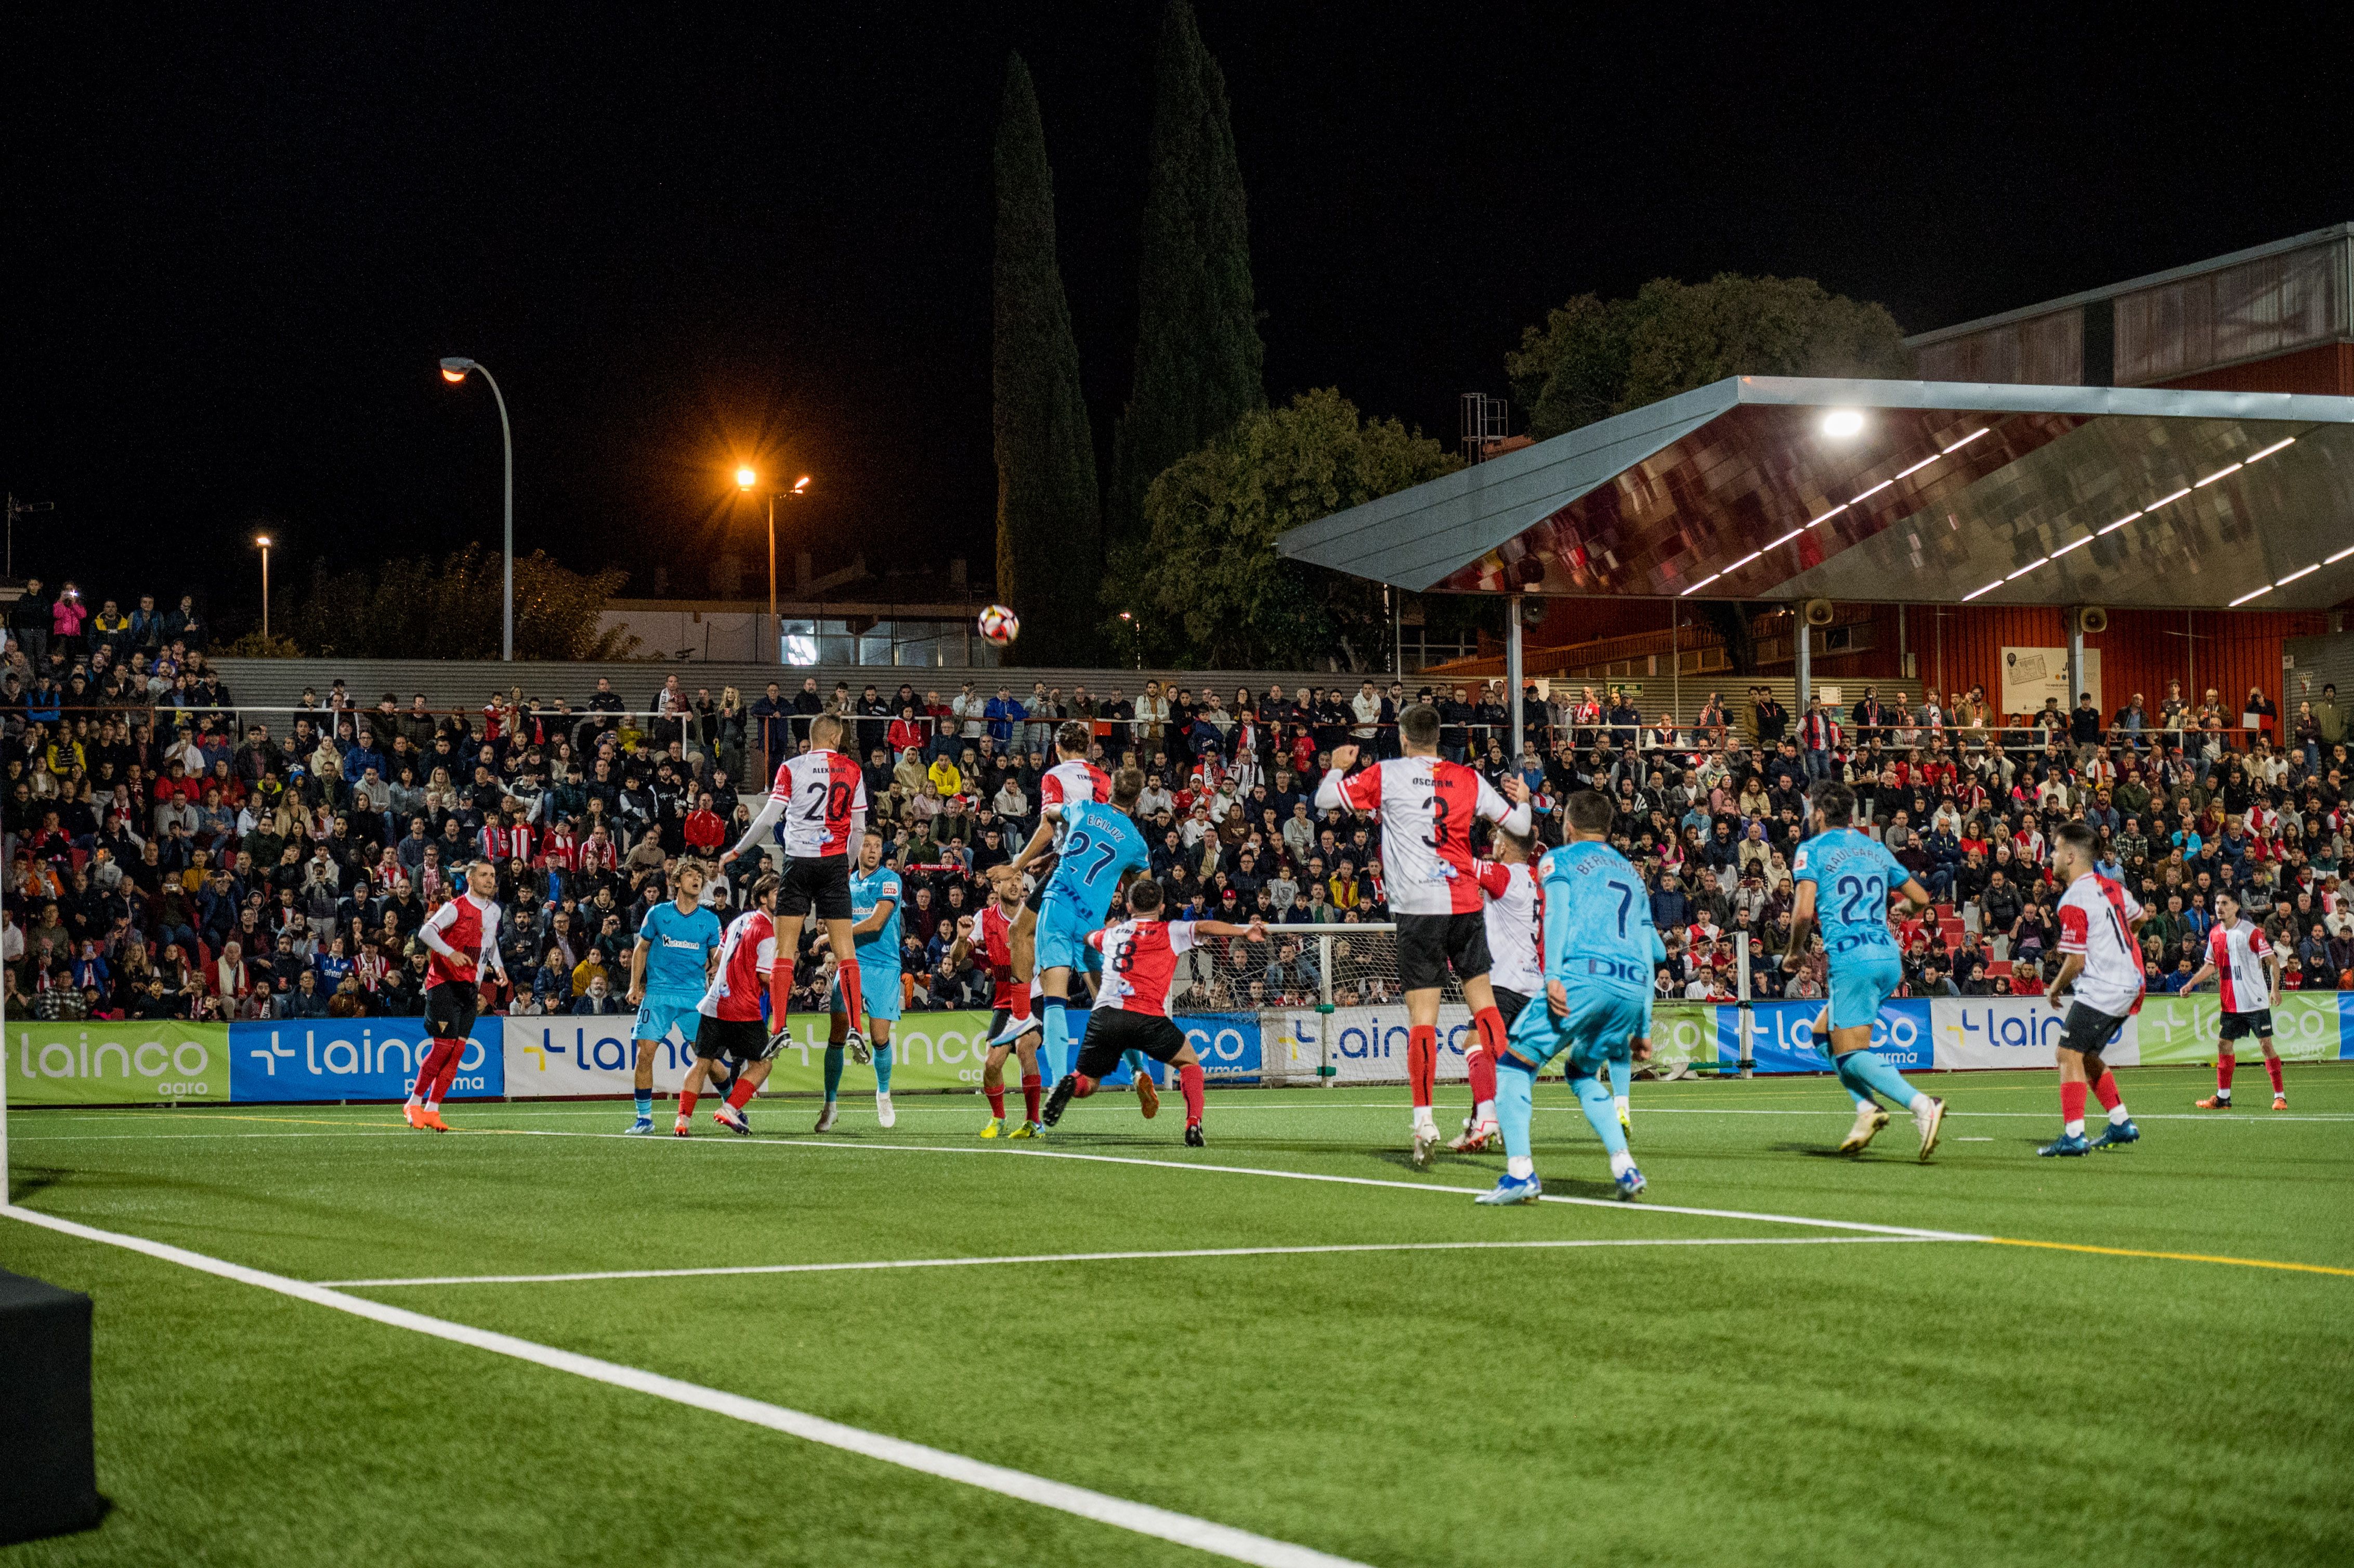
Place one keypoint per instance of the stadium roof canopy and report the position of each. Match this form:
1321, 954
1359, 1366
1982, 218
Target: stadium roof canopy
1903, 492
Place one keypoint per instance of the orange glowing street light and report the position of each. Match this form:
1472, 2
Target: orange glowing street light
263, 540
454, 370
748, 479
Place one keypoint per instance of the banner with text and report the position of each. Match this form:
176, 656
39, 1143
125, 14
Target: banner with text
1782, 1036
354, 1059
88, 1061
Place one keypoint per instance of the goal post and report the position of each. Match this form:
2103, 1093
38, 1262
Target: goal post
1324, 1000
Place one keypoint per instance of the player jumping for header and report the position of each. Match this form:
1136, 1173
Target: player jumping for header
821, 796
1427, 807
1598, 940
992, 934
464, 935
1100, 848
1131, 1012
2100, 956
1845, 878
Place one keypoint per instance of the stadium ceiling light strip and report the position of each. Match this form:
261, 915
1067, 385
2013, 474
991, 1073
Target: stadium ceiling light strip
1989, 588
1966, 440
2027, 569
2268, 451
2120, 523
2300, 572
1788, 536
2166, 499
1873, 492
2077, 545
1699, 585
2340, 555
1831, 513
1917, 467
2247, 596
2218, 473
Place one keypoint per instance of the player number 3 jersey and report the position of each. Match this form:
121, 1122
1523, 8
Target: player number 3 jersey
1427, 806
825, 797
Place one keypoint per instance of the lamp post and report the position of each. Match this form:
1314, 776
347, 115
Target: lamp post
746, 480
455, 370
263, 540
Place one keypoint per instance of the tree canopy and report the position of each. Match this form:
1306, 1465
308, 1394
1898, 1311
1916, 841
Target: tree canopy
1198, 354
1593, 358
1049, 528
451, 609
1205, 585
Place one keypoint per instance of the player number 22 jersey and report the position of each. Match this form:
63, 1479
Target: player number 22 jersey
1854, 874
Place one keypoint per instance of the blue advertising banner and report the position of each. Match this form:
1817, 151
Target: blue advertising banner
354, 1059
1783, 1037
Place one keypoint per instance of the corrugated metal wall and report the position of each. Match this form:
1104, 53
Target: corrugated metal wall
2143, 650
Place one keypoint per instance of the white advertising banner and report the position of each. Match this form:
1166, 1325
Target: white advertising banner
1982, 1032
2032, 674
1365, 1043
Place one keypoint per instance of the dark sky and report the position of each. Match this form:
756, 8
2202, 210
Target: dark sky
238, 247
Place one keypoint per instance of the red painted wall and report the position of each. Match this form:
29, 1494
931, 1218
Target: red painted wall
2141, 651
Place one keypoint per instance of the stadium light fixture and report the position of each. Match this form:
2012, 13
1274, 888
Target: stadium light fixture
455, 368
1841, 423
263, 540
748, 479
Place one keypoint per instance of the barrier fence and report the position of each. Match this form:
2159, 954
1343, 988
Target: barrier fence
96, 1063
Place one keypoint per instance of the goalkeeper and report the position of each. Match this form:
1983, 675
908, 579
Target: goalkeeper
1598, 942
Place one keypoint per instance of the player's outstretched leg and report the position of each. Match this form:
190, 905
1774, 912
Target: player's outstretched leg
1069, 1086
1594, 1100
1516, 1083
1869, 1068
1057, 1048
1622, 1076
1148, 1096
730, 1114
1869, 1115
832, 1111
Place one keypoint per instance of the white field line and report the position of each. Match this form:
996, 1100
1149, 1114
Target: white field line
1111, 1257
1614, 1204
1143, 1518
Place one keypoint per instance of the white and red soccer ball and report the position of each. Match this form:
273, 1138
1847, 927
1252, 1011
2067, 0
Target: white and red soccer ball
999, 625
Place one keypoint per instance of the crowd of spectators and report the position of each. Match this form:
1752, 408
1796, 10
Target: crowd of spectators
169, 856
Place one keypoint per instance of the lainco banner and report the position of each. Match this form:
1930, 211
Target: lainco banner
355, 1059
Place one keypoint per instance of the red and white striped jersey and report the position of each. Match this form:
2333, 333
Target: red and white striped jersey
2095, 922
1515, 943
746, 953
1426, 805
994, 931
1140, 962
2238, 952
466, 928
1080, 780
822, 792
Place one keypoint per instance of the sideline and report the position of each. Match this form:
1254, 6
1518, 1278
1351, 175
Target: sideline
1143, 1518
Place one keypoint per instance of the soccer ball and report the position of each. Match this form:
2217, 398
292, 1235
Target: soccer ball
999, 625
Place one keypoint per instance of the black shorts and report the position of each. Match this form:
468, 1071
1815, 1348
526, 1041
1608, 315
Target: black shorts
2240, 1025
1509, 1003
1429, 945
1041, 872
449, 1011
2088, 1029
820, 884
1114, 1030
744, 1040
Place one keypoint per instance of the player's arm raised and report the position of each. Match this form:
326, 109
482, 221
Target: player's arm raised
772, 810
1514, 817
961, 948
1048, 815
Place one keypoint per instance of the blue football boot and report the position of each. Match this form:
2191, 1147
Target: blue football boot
1510, 1189
1631, 1182
2116, 1135
2068, 1143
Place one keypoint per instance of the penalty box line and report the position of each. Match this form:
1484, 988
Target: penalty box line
1142, 1518
1112, 1257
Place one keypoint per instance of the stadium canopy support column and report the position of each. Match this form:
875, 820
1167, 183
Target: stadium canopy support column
1802, 641
1747, 1019
2075, 660
1325, 1077
1512, 678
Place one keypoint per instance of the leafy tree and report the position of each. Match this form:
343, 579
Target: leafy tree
1198, 356
1049, 528
1593, 359
421, 608
1205, 585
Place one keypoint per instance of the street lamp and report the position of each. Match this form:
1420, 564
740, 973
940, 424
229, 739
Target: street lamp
454, 370
263, 540
749, 479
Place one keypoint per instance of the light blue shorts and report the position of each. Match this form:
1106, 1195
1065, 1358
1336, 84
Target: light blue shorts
1860, 983
1602, 1025
878, 988
662, 1009
1063, 932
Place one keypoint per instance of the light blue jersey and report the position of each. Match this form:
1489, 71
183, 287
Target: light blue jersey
869, 891
678, 948
1854, 874
1598, 943
1101, 846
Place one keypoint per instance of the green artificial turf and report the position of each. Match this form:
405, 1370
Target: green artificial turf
1892, 1403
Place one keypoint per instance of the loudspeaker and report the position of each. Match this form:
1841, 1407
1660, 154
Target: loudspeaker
1818, 612
2091, 618
46, 1451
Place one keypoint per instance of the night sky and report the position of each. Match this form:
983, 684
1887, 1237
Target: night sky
237, 248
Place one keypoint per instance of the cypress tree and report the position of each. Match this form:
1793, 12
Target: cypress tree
1049, 526
1198, 354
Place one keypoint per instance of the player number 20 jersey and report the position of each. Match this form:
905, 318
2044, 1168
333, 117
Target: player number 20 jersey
822, 792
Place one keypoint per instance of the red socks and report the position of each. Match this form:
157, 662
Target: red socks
854, 998
1082, 1087
996, 1101
2105, 1091
433, 1079
1422, 1063
687, 1098
1481, 1059
2271, 1066
2225, 1063
1189, 1078
1029, 1088
2072, 1103
740, 1095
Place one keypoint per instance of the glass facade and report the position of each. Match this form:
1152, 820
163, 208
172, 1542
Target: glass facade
906, 644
